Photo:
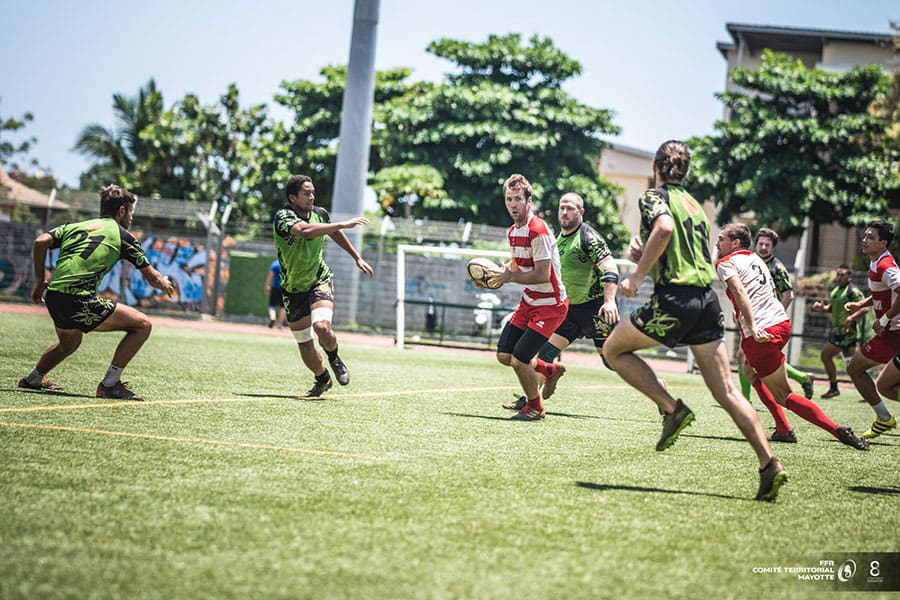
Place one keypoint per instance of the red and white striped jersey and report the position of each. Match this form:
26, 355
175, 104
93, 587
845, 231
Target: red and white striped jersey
529, 243
754, 275
884, 283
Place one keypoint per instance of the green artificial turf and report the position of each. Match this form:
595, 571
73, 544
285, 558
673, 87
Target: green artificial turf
411, 482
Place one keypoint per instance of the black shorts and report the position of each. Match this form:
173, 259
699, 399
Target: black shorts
275, 297
524, 344
298, 305
681, 315
84, 313
843, 340
582, 322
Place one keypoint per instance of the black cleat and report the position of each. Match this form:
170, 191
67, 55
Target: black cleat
786, 438
45, 386
771, 478
846, 435
318, 389
341, 372
674, 424
517, 404
529, 414
119, 391
808, 386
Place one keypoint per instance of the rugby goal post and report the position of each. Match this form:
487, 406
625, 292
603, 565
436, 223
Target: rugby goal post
624, 266
404, 249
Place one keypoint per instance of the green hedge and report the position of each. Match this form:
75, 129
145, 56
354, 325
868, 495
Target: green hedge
246, 293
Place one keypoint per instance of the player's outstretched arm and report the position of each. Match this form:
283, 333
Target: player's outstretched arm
311, 230
340, 238
159, 281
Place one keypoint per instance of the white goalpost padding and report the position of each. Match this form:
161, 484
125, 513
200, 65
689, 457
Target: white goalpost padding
403, 249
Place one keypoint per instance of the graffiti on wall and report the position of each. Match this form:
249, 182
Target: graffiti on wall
178, 258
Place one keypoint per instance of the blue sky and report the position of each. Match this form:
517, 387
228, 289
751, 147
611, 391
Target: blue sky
653, 63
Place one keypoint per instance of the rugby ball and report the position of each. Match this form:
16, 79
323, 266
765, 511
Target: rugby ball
480, 271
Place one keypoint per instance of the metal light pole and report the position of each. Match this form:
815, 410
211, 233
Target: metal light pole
355, 137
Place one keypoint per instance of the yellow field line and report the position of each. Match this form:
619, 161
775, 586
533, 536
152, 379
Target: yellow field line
166, 438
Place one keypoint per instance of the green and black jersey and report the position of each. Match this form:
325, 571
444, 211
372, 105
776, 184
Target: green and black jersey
687, 259
302, 262
780, 276
579, 253
838, 298
87, 252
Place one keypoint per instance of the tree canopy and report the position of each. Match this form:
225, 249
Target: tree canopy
800, 141
503, 111
442, 149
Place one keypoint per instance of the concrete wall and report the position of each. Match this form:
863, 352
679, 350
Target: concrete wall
844, 55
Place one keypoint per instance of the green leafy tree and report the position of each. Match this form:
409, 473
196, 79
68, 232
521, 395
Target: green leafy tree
410, 186
8, 148
208, 152
15, 156
308, 144
800, 142
503, 112
118, 151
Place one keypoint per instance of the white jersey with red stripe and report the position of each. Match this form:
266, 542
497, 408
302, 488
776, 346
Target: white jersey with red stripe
532, 242
754, 274
884, 283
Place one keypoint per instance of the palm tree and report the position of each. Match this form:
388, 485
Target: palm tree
117, 152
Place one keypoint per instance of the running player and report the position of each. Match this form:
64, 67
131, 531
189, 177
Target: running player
765, 330
535, 264
845, 336
884, 283
674, 249
306, 280
591, 278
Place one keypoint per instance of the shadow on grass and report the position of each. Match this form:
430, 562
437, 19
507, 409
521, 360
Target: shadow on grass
511, 413
631, 488
865, 489
281, 396
713, 437
48, 393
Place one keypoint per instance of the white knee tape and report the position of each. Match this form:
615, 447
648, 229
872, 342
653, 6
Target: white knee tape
322, 313
303, 335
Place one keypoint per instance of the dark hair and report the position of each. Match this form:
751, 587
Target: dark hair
673, 159
112, 197
294, 184
885, 230
845, 267
738, 231
769, 233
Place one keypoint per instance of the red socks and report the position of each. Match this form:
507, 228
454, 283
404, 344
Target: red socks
781, 422
545, 368
810, 411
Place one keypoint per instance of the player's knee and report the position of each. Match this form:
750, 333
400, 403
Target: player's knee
142, 326
854, 366
67, 347
504, 359
322, 328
